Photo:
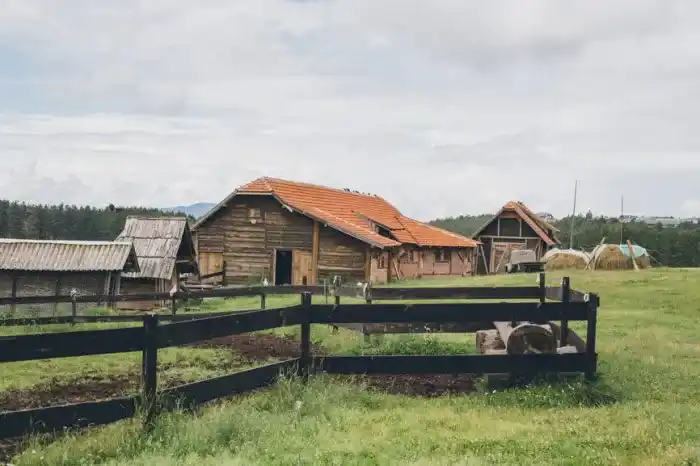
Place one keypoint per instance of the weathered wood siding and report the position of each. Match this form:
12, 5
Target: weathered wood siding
420, 262
379, 274
50, 284
340, 254
249, 230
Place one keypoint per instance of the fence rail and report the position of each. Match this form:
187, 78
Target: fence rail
152, 335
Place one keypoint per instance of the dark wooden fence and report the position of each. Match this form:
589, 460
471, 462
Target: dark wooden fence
569, 306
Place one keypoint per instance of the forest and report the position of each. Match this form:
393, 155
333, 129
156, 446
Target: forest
670, 246
67, 222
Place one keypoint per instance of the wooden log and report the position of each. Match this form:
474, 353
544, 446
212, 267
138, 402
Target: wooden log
526, 337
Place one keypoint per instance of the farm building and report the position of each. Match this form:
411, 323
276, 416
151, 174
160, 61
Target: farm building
514, 227
165, 252
46, 268
284, 231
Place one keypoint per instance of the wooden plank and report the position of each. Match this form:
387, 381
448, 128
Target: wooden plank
70, 344
183, 333
313, 279
430, 327
57, 418
453, 364
196, 393
508, 292
215, 293
446, 312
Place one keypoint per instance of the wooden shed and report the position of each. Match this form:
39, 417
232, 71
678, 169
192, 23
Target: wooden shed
46, 268
165, 252
284, 231
514, 227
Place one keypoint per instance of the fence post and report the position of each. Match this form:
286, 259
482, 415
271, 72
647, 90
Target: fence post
591, 337
149, 374
565, 298
74, 308
368, 300
305, 346
173, 305
543, 287
263, 298
224, 282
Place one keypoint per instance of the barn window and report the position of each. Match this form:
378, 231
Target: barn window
254, 215
442, 255
381, 262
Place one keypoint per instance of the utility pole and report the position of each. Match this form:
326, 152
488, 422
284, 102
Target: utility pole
622, 213
573, 217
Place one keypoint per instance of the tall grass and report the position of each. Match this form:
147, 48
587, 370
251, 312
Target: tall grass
645, 409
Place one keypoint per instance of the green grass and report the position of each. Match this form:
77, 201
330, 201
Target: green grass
644, 410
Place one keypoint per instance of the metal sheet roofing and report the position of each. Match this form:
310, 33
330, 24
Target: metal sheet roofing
66, 256
157, 241
350, 212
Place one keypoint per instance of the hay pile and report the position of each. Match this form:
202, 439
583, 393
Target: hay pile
617, 257
559, 259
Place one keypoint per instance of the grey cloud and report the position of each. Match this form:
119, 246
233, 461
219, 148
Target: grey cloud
444, 107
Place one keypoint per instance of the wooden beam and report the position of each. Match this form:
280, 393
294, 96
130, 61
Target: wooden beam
509, 237
420, 262
498, 230
388, 266
57, 292
368, 264
520, 220
314, 255
13, 307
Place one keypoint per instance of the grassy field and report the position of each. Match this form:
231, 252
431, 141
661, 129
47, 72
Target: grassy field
645, 409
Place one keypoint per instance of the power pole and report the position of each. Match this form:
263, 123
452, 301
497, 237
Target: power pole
573, 217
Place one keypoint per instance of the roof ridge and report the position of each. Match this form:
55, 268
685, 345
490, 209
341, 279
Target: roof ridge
164, 217
64, 241
317, 185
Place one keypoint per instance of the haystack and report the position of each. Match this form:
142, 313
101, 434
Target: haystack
558, 259
618, 257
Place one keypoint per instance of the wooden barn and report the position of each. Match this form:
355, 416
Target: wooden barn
50, 268
283, 231
165, 252
514, 227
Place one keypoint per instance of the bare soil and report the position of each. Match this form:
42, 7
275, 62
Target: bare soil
258, 347
424, 386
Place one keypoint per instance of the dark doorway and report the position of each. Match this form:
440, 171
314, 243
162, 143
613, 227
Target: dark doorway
283, 267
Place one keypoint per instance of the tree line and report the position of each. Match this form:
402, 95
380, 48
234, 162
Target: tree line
670, 246
67, 222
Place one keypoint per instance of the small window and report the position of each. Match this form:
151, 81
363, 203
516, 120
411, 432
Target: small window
253, 213
442, 255
381, 262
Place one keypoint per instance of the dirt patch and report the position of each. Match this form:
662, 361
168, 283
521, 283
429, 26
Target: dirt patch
258, 347
427, 386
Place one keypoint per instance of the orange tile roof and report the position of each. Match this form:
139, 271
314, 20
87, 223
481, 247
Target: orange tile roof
352, 213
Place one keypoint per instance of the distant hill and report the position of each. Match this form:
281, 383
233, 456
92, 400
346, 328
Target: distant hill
195, 210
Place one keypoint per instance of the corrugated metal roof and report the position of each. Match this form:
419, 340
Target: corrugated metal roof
157, 241
66, 256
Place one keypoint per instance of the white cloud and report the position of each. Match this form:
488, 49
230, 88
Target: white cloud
444, 107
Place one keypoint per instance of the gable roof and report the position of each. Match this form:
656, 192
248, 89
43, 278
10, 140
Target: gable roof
28, 255
352, 213
538, 225
158, 241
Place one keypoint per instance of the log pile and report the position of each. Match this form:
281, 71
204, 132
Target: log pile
526, 338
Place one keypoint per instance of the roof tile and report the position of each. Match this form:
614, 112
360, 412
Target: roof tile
353, 213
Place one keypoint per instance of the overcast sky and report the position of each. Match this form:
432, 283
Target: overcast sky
441, 106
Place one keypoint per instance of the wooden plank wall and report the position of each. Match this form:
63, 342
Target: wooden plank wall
248, 242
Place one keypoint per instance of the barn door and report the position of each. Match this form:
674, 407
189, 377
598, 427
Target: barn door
302, 267
210, 262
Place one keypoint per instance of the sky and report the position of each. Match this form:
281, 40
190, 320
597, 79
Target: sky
443, 107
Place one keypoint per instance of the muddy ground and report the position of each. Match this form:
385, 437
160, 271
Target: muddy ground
251, 348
